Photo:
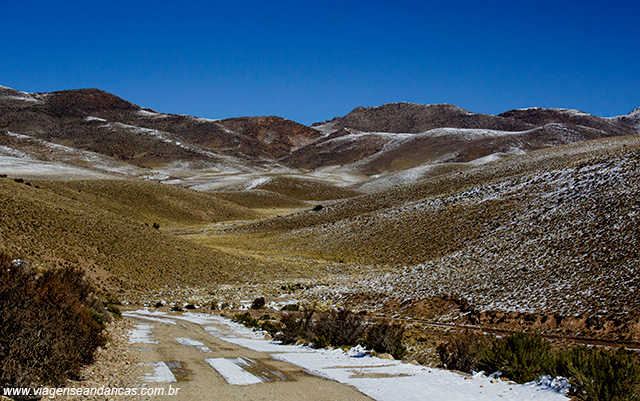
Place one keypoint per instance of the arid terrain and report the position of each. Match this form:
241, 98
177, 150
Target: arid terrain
429, 215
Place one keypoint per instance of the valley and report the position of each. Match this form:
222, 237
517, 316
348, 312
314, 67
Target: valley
428, 215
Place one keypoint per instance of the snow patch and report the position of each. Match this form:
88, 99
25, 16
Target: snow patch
142, 334
192, 343
161, 374
230, 369
94, 118
385, 380
150, 113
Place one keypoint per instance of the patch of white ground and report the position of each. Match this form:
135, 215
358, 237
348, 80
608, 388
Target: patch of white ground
558, 241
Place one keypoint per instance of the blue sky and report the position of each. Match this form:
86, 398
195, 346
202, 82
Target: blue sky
312, 61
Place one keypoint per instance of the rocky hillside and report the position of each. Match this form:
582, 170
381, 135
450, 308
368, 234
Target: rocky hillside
554, 230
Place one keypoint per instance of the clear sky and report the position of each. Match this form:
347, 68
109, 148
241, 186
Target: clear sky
312, 61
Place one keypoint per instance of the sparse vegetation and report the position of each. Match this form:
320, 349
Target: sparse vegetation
595, 374
50, 325
114, 310
600, 374
264, 323
290, 308
337, 328
294, 287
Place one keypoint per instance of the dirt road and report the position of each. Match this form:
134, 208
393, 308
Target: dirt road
186, 356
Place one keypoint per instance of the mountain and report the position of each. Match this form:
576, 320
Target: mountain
95, 121
89, 124
416, 118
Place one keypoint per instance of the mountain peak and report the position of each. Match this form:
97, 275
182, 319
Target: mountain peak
80, 101
406, 117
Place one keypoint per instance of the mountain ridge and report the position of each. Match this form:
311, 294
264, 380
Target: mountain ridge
366, 142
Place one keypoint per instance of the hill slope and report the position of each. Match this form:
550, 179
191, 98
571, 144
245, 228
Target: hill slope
554, 230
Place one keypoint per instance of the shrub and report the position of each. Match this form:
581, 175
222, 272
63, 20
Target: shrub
385, 338
338, 328
295, 326
521, 357
245, 319
50, 325
115, 311
294, 287
177, 308
290, 308
258, 303
462, 351
599, 374
190, 306
263, 323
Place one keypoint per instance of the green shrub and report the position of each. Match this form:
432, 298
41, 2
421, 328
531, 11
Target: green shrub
50, 325
294, 287
600, 374
385, 338
462, 351
521, 357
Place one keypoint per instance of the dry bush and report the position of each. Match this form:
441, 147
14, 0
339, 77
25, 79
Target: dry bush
258, 303
50, 325
295, 326
338, 328
385, 338
462, 351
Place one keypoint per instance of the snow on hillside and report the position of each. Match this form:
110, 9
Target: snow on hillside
555, 255
40, 157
